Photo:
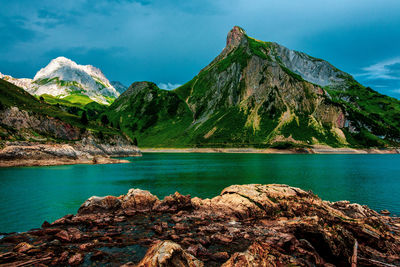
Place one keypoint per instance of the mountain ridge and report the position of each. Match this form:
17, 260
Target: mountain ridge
262, 94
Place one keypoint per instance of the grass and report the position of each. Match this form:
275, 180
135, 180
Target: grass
13, 96
203, 112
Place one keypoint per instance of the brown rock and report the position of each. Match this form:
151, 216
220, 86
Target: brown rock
222, 238
86, 246
63, 256
23, 247
74, 234
385, 212
63, 236
139, 200
174, 203
167, 253
100, 205
76, 259
158, 229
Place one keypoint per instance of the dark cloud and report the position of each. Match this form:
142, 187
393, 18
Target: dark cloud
169, 41
14, 31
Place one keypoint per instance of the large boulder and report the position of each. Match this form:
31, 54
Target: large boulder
168, 253
100, 205
139, 200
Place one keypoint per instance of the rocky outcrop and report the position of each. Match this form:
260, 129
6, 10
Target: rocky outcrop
246, 225
167, 253
21, 120
89, 150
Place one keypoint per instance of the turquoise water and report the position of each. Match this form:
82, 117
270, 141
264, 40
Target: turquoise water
30, 195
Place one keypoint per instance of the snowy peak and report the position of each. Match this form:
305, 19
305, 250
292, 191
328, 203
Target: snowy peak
63, 77
24, 83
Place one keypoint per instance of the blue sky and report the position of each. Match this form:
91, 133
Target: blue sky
168, 42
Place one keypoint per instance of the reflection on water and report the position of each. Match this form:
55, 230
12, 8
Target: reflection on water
28, 196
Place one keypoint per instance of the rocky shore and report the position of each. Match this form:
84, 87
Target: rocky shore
246, 225
86, 151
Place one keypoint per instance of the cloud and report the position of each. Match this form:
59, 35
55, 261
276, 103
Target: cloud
168, 86
171, 40
386, 70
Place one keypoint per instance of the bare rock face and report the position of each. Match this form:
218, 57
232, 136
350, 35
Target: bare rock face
21, 119
167, 253
246, 225
235, 37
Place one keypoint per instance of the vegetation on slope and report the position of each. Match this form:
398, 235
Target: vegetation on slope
226, 105
13, 96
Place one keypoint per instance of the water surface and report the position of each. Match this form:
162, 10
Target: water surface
30, 195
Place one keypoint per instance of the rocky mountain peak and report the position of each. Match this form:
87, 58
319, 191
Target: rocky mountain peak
235, 37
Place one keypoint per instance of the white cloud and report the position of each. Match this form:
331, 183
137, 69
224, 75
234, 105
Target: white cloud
386, 70
169, 86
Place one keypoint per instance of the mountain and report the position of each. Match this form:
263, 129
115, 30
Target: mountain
119, 86
33, 132
63, 78
24, 83
156, 115
260, 94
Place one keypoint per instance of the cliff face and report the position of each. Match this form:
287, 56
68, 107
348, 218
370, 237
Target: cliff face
262, 94
33, 132
246, 225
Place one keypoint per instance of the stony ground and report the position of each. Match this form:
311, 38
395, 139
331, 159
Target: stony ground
248, 225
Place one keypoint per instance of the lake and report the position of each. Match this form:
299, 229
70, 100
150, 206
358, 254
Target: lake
31, 195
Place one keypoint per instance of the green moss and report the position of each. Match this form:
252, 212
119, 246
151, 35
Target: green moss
291, 73
238, 55
258, 48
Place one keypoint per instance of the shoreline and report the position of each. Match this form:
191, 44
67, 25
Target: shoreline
58, 162
25, 154
313, 150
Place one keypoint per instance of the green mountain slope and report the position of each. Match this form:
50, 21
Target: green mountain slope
150, 114
24, 117
260, 94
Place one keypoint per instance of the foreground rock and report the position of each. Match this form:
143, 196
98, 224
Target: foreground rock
247, 225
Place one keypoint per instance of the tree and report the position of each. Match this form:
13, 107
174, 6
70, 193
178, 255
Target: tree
84, 118
41, 98
104, 120
135, 141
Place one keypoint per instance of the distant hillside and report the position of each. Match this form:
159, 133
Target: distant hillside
23, 117
259, 94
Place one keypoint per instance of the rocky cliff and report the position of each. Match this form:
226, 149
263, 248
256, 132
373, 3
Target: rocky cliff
261, 94
33, 132
246, 225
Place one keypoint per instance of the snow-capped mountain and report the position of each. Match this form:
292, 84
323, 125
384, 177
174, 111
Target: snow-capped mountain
63, 77
24, 83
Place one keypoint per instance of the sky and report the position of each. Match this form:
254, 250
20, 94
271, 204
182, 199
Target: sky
169, 42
